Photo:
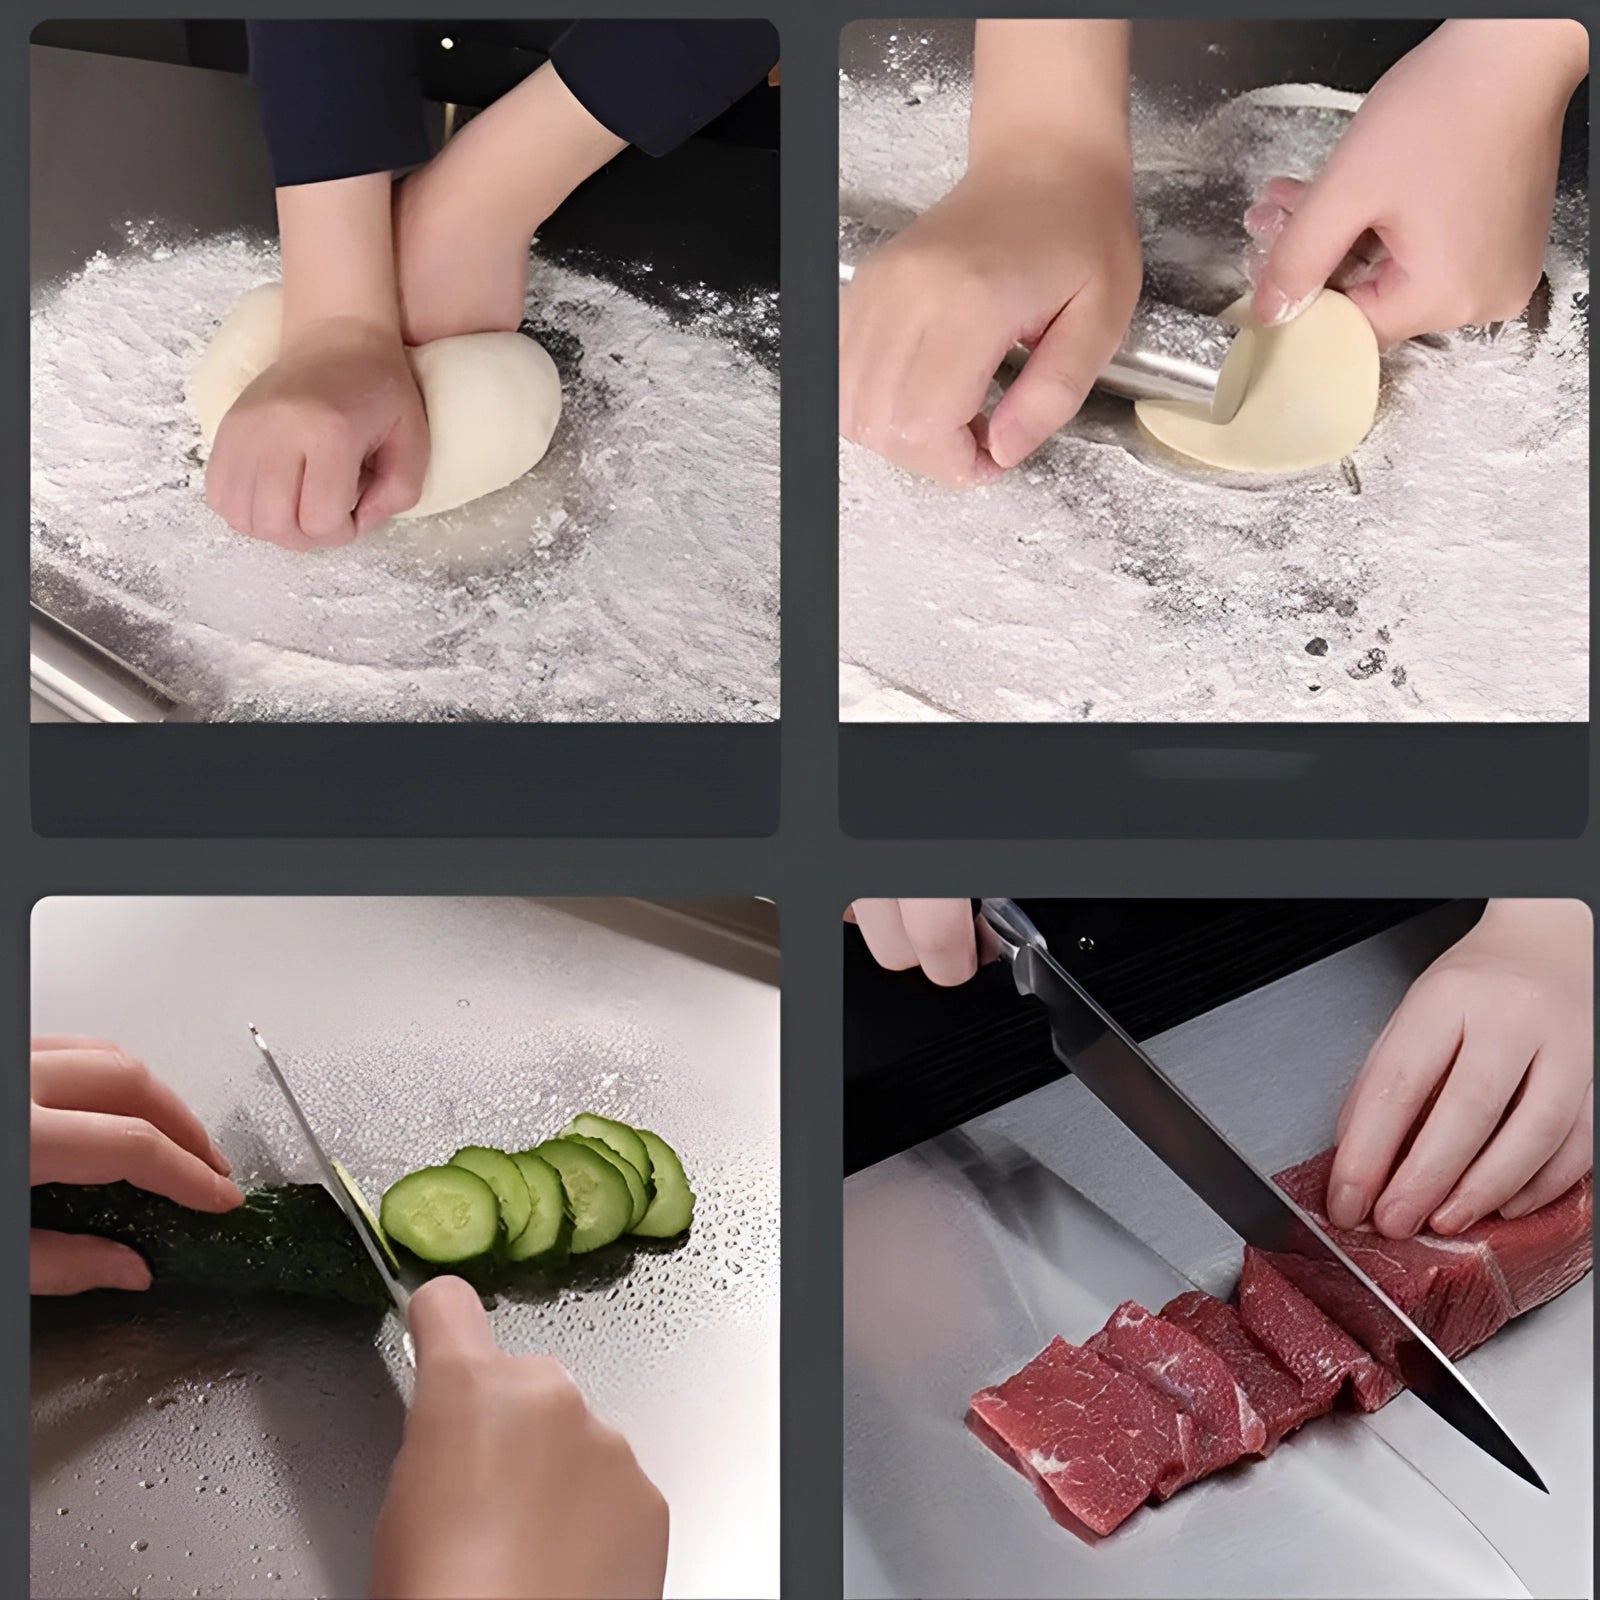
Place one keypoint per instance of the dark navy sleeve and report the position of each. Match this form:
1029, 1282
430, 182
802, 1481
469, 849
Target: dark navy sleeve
656, 83
337, 99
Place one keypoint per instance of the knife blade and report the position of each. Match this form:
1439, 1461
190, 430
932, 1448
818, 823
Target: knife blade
1113, 1068
398, 1292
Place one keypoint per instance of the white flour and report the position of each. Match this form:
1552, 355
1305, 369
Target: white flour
1441, 574
633, 576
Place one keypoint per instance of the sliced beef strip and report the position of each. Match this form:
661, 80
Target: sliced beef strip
1315, 1349
1192, 1376
1274, 1391
1101, 1443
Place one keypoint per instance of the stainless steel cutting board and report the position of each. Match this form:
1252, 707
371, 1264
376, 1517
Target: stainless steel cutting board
242, 1450
964, 1256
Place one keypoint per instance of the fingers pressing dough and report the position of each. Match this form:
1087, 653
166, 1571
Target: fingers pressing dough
1311, 394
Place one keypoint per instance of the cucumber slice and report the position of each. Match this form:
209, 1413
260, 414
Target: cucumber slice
443, 1215
638, 1190
548, 1235
499, 1171
597, 1193
618, 1135
353, 1189
673, 1207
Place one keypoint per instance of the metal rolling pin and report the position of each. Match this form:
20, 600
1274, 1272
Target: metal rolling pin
87, 683
1167, 354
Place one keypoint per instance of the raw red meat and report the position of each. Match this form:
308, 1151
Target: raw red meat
1462, 1289
1098, 1441
1546, 1252
1191, 1375
1139, 1413
1316, 1350
1275, 1393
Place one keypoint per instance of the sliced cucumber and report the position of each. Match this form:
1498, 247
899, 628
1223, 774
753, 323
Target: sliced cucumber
597, 1193
638, 1190
623, 1139
353, 1189
673, 1207
500, 1172
548, 1235
443, 1214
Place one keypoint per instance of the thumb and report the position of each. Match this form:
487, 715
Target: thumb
70, 1263
1057, 377
1315, 237
448, 1322
395, 472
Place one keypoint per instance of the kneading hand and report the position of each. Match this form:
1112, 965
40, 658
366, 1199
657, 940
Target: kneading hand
99, 1116
507, 1486
1493, 1049
329, 442
1039, 253
1434, 210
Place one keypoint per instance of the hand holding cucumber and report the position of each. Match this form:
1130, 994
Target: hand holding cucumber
507, 1487
98, 1116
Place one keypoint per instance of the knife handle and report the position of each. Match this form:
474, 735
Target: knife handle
1012, 926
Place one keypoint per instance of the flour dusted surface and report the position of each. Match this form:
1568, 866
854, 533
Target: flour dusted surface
1441, 574
633, 576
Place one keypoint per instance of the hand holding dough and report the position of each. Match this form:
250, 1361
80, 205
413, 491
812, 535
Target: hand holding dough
1310, 397
493, 399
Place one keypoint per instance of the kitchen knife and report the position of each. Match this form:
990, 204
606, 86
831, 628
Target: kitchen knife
398, 1291
1124, 1079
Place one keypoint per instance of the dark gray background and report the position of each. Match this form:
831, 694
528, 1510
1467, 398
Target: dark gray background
809, 865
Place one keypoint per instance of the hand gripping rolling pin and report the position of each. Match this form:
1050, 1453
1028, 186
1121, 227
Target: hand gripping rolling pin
1167, 353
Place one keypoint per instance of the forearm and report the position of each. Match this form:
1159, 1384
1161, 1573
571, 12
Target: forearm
1049, 87
1550, 53
337, 243
527, 152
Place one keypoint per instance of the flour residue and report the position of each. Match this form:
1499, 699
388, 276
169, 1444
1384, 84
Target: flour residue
633, 576
1439, 573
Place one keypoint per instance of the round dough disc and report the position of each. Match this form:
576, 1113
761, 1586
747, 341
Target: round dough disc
1310, 397
493, 399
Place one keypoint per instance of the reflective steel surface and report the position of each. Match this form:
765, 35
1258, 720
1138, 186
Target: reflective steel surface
1123, 1078
965, 1256
241, 1450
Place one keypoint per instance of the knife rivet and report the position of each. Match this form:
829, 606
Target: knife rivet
1085, 943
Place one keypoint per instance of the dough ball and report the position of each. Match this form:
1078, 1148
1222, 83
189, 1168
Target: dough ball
1310, 398
493, 399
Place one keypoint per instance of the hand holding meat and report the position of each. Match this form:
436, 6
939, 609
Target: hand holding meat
1434, 210
1492, 1053
507, 1486
99, 1116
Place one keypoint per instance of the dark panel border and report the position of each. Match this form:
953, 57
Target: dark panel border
579, 780
1210, 781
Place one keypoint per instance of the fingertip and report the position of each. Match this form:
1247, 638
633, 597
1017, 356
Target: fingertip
446, 1314
1394, 1219
130, 1273
1273, 305
1347, 1205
